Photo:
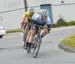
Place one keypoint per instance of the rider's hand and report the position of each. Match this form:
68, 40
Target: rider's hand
45, 27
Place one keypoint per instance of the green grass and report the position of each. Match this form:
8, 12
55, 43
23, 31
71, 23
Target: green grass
13, 31
69, 42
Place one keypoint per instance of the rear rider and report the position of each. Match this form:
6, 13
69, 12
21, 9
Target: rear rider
27, 17
26, 20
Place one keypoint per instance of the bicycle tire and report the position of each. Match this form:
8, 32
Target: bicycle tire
36, 48
24, 36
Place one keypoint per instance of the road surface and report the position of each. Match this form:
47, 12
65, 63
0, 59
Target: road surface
11, 51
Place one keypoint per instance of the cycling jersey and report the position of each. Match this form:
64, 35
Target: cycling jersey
27, 15
39, 21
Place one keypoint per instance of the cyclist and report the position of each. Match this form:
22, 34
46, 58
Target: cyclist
27, 17
42, 19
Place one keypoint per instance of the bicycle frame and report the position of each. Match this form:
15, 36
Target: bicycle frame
38, 33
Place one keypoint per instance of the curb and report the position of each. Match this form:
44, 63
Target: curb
66, 48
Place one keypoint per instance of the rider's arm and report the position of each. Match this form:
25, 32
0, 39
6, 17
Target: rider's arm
23, 18
48, 23
26, 15
24, 21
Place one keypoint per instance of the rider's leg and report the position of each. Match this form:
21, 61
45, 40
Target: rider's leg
33, 32
44, 32
27, 39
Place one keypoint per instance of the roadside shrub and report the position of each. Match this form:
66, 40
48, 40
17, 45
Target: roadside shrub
61, 22
72, 22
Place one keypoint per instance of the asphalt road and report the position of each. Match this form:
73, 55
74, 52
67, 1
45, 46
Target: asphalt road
11, 51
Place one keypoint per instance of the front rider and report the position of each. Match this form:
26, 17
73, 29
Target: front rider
42, 19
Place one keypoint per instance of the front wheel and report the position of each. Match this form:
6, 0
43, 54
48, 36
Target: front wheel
37, 44
24, 39
24, 36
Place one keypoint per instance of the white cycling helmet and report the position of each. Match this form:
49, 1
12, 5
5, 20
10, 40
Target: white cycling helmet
43, 12
31, 10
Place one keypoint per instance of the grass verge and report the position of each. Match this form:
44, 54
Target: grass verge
69, 41
13, 31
